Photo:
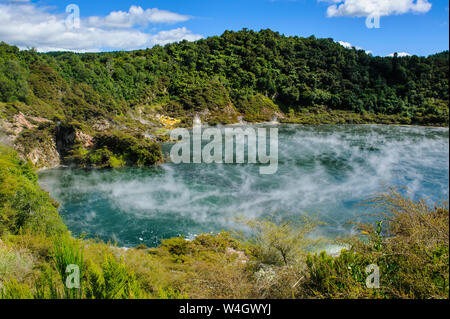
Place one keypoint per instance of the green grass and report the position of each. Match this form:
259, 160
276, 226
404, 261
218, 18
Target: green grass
67, 251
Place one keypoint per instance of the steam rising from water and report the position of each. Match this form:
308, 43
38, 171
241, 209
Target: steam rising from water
326, 171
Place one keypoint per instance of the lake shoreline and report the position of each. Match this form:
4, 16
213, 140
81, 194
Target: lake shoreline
324, 169
38, 169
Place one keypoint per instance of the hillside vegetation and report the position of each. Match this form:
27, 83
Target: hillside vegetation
409, 244
256, 76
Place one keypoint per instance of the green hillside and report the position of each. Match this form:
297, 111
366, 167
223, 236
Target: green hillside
254, 76
295, 73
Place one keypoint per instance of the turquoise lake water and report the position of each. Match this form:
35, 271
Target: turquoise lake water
325, 171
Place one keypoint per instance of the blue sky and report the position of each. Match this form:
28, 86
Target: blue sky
412, 26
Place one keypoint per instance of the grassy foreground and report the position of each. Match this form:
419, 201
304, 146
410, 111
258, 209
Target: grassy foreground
409, 244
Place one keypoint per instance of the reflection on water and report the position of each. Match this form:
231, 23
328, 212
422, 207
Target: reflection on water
326, 171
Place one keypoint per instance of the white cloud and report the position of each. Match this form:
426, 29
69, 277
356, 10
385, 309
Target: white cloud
365, 8
400, 54
27, 25
136, 16
348, 45
174, 35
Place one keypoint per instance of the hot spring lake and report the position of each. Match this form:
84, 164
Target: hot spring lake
324, 171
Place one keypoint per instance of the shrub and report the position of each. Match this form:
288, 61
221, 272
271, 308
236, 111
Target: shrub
177, 246
219, 242
15, 263
337, 277
113, 150
23, 204
170, 293
14, 290
257, 108
134, 150
410, 246
280, 244
114, 281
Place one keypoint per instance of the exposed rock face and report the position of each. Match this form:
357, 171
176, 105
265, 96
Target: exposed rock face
51, 153
230, 111
19, 123
83, 138
101, 125
67, 136
49, 150
42, 155
227, 113
45, 155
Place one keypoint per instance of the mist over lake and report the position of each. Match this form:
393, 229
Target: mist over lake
324, 171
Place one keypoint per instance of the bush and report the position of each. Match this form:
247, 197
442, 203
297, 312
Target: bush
113, 281
14, 290
218, 243
257, 108
114, 150
171, 293
177, 246
282, 244
15, 263
23, 204
337, 277
134, 150
409, 244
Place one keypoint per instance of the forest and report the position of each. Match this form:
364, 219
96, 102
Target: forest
253, 74
65, 107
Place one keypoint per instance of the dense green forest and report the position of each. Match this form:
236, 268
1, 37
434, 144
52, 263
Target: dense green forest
295, 73
254, 76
